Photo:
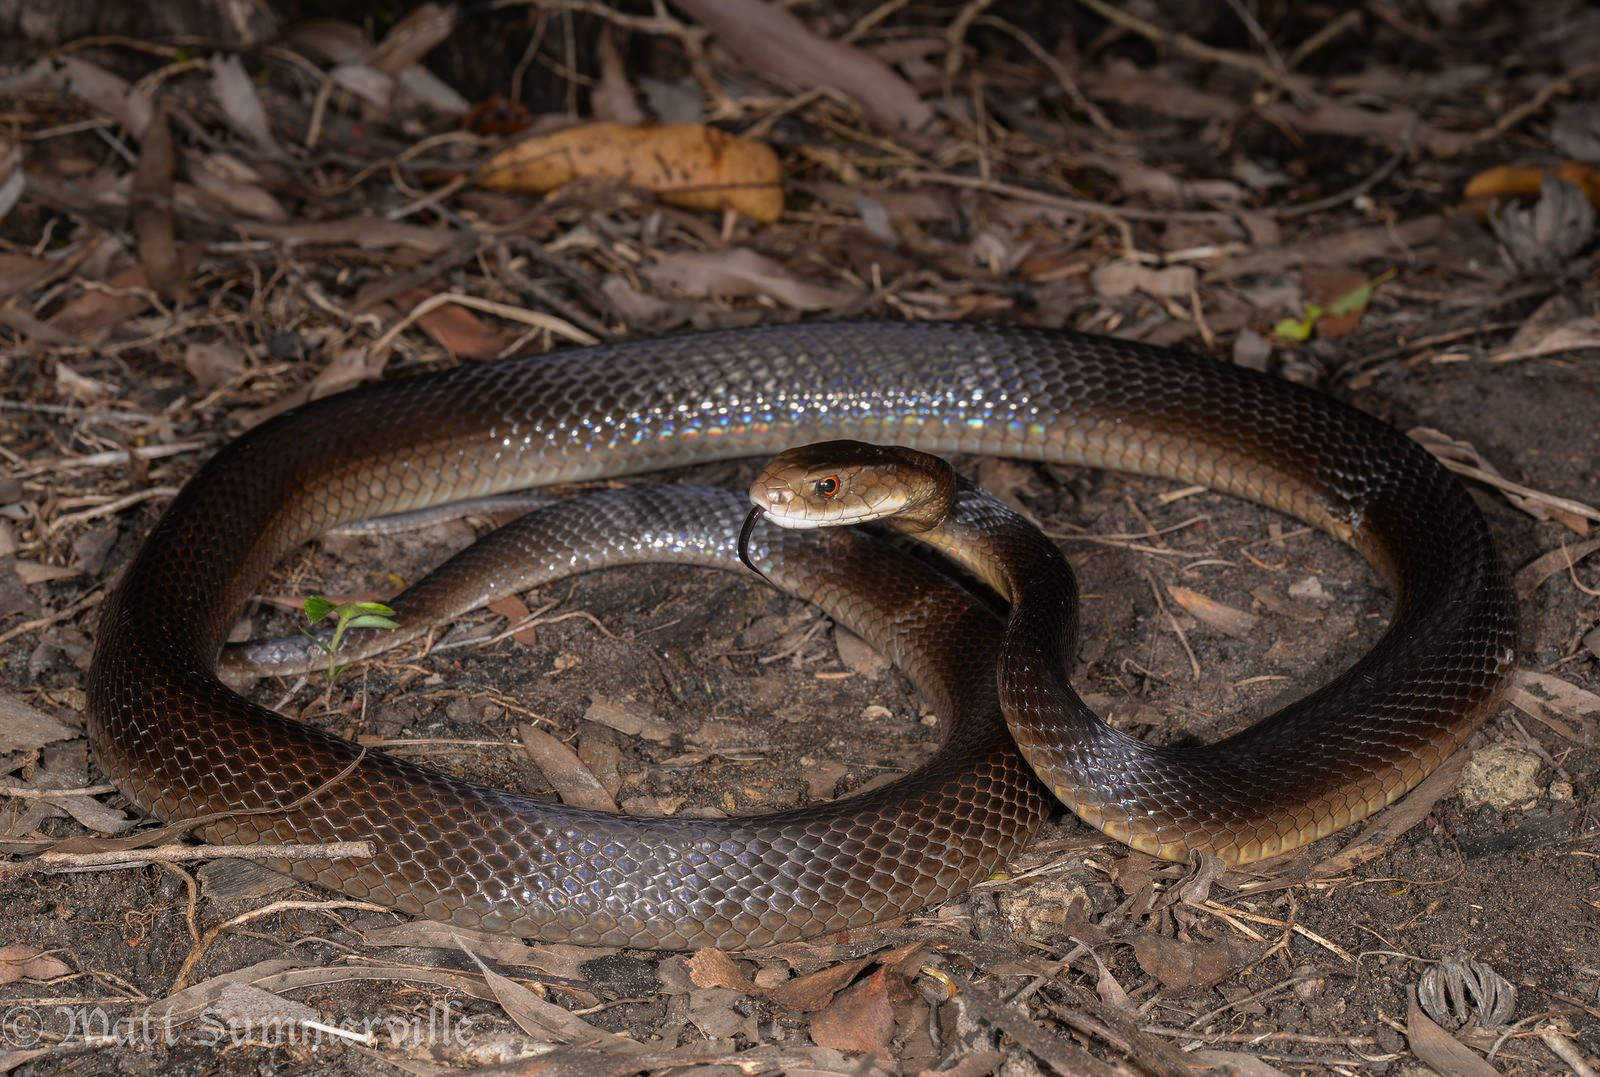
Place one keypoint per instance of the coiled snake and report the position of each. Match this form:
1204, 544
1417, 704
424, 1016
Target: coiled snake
181, 745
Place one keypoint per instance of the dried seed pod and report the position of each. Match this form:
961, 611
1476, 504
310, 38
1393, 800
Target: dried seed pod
1459, 989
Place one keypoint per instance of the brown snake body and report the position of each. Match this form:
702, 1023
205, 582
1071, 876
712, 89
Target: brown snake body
179, 744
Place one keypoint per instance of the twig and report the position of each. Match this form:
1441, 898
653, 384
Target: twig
211, 936
1185, 45
1058, 69
173, 854
1513, 116
550, 323
46, 794
1183, 638
1259, 1037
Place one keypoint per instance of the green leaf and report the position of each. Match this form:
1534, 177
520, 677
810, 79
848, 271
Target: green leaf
367, 607
1299, 329
372, 620
318, 607
1358, 297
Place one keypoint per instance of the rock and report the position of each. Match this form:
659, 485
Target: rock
1503, 776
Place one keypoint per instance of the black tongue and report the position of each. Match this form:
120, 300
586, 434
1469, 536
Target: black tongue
744, 538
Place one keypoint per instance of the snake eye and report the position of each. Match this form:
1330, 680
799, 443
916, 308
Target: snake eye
827, 488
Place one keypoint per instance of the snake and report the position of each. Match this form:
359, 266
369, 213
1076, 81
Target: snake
182, 746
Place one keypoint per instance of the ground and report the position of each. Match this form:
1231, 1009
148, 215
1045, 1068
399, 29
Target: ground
1096, 171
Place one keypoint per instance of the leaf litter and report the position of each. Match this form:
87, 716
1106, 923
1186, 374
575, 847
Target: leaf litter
193, 240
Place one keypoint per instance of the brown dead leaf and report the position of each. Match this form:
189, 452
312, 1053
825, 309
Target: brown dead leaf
563, 770
110, 94
124, 296
858, 1019
686, 165
348, 367
1181, 965
1117, 279
544, 1019
152, 210
627, 718
714, 968
23, 962
213, 364
22, 728
225, 181
1570, 336
1546, 565
1225, 619
775, 42
1439, 1050
613, 99
241, 105
740, 272
1322, 287
814, 990
515, 611
413, 36
457, 330
1464, 459
1558, 704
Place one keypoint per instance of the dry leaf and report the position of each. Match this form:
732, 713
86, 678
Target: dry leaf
714, 968
192, 1000
542, 1019
1545, 236
23, 962
1439, 1050
858, 1019
1558, 704
1225, 619
613, 100
1569, 336
780, 46
214, 364
624, 718
241, 105
1546, 565
413, 36
563, 770
22, 728
12, 180
1464, 459
225, 181
152, 210
1182, 965
515, 611
1512, 181
458, 330
1116, 279
684, 164
739, 272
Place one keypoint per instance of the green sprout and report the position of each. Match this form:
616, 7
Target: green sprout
1355, 299
346, 615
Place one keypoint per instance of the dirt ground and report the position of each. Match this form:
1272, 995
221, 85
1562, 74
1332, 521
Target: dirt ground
1236, 195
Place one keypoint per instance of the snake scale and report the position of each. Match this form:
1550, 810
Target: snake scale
180, 745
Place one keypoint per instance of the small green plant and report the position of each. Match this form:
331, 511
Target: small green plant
346, 615
1355, 299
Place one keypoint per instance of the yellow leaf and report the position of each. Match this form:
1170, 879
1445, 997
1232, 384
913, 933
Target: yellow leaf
684, 164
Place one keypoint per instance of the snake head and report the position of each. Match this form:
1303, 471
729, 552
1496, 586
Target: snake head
839, 483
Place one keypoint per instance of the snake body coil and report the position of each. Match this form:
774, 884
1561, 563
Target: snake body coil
180, 744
